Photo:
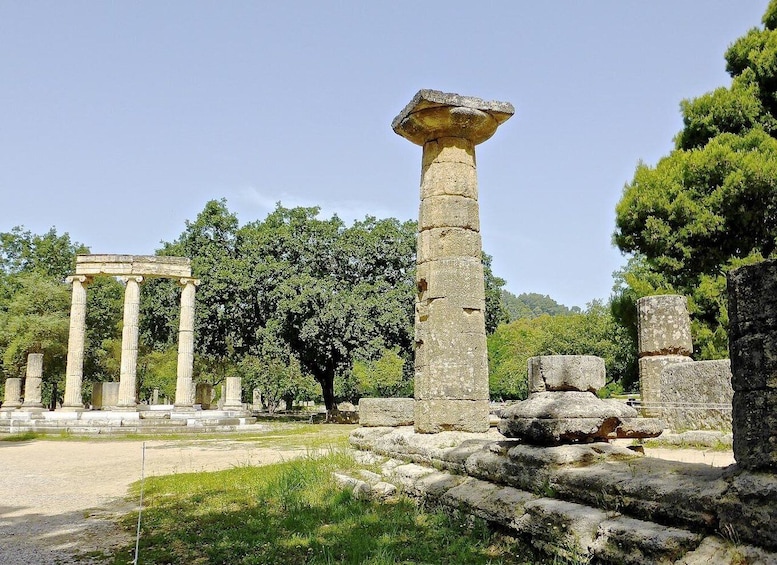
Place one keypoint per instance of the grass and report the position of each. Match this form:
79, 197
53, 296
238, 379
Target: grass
294, 513
717, 446
24, 436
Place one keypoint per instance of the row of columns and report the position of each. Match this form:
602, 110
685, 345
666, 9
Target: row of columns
32, 386
129, 344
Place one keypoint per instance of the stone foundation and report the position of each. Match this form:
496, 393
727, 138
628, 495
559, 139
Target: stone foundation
598, 501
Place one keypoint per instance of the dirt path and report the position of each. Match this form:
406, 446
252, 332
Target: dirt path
58, 498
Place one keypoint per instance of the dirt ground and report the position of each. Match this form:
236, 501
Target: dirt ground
59, 499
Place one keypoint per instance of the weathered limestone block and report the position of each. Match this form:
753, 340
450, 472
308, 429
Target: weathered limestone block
549, 418
650, 369
664, 326
566, 373
459, 281
105, 395
439, 415
494, 503
752, 306
203, 395
444, 243
697, 395
386, 412
33, 381
146, 265
233, 393
719, 551
755, 358
561, 528
755, 429
13, 394
626, 540
456, 178
748, 511
432, 115
449, 211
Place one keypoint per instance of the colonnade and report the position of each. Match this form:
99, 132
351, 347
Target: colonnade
139, 268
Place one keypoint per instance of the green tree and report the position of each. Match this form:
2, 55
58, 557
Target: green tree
711, 204
532, 305
593, 332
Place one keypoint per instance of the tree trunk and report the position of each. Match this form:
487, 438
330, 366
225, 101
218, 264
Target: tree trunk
327, 383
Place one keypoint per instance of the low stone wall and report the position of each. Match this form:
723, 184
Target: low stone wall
697, 395
606, 502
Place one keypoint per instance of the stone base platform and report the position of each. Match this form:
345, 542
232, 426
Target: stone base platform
146, 420
596, 501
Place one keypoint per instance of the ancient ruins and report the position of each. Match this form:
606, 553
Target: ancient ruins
557, 480
115, 405
451, 365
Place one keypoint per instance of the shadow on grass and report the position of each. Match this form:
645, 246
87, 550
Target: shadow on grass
293, 513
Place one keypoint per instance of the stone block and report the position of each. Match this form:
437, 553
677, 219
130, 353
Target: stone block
626, 540
650, 380
455, 378
697, 395
562, 528
748, 510
755, 430
433, 416
388, 412
449, 211
460, 281
754, 361
449, 179
568, 404
441, 243
203, 394
566, 373
664, 326
105, 395
432, 115
450, 152
13, 393
752, 299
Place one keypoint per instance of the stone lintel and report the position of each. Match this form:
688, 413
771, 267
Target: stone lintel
145, 265
432, 114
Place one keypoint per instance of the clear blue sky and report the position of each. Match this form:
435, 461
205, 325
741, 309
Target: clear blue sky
120, 120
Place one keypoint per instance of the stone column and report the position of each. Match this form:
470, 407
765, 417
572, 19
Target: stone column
663, 338
184, 394
74, 374
13, 394
129, 343
451, 369
752, 341
233, 393
32, 384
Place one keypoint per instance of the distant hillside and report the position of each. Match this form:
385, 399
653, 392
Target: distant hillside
533, 305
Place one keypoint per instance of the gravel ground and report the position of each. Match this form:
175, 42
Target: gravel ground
59, 499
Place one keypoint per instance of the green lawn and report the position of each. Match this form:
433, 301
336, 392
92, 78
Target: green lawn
294, 513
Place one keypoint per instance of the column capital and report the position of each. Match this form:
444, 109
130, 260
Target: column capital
432, 114
188, 280
127, 278
83, 279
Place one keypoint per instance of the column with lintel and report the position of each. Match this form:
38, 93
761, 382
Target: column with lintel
184, 394
129, 343
74, 373
451, 369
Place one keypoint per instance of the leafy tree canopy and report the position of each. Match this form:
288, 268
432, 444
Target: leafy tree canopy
711, 204
532, 305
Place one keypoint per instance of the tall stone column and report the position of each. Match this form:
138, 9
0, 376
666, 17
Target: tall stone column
752, 342
129, 343
74, 374
13, 394
663, 338
33, 381
451, 369
184, 394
